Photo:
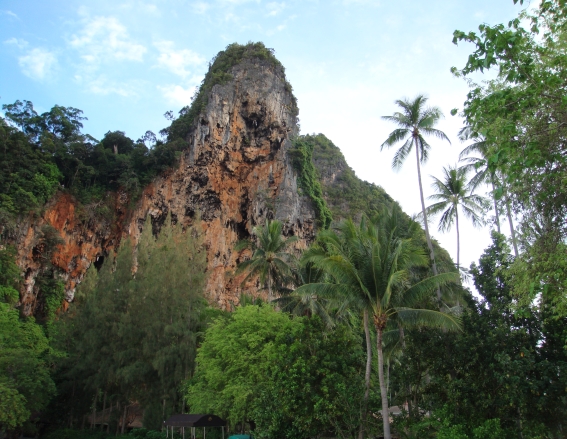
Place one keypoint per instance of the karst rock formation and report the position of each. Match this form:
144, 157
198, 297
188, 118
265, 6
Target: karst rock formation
234, 173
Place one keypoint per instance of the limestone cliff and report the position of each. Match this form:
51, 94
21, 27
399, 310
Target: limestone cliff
234, 173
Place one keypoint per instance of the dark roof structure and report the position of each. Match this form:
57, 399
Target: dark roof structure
194, 421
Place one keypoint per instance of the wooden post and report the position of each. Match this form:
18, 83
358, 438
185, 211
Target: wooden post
108, 419
103, 409
124, 418
118, 422
93, 419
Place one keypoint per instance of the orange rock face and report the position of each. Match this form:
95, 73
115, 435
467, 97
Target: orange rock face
234, 174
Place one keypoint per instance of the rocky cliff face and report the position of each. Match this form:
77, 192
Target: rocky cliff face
233, 175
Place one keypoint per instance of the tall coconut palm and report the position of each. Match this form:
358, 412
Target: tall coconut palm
450, 194
484, 174
414, 121
368, 271
270, 258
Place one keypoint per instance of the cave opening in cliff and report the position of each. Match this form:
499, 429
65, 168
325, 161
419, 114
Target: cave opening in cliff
98, 262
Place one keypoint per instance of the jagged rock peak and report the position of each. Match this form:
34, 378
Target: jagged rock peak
234, 173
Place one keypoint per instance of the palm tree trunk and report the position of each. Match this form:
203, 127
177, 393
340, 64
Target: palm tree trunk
496, 212
269, 287
510, 222
512, 231
458, 238
383, 390
366, 375
426, 225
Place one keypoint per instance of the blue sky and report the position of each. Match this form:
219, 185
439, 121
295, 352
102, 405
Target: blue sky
126, 62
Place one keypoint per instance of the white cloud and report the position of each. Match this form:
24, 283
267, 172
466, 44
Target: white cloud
11, 14
38, 63
274, 8
201, 7
20, 44
151, 9
105, 38
104, 86
238, 2
177, 61
361, 2
176, 94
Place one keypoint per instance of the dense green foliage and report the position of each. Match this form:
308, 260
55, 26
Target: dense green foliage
302, 158
284, 376
133, 338
315, 383
219, 73
28, 176
234, 360
506, 368
521, 116
26, 385
38, 152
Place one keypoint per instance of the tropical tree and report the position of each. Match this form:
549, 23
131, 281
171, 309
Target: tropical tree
305, 273
368, 268
270, 259
484, 174
414, 121
450, 193
522, 114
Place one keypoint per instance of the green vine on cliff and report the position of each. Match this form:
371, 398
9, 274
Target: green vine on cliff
219, 73
301, 155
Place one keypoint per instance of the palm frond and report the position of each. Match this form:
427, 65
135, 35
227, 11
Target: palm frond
423, 289
401, 154
435, 133
428, 318
395, 136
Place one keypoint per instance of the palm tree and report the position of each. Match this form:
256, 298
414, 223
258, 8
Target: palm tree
450, 194
308, 305
484, 174
270, 259
414, 121
368, 271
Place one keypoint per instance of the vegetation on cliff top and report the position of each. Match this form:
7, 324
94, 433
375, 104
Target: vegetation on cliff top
41, 153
